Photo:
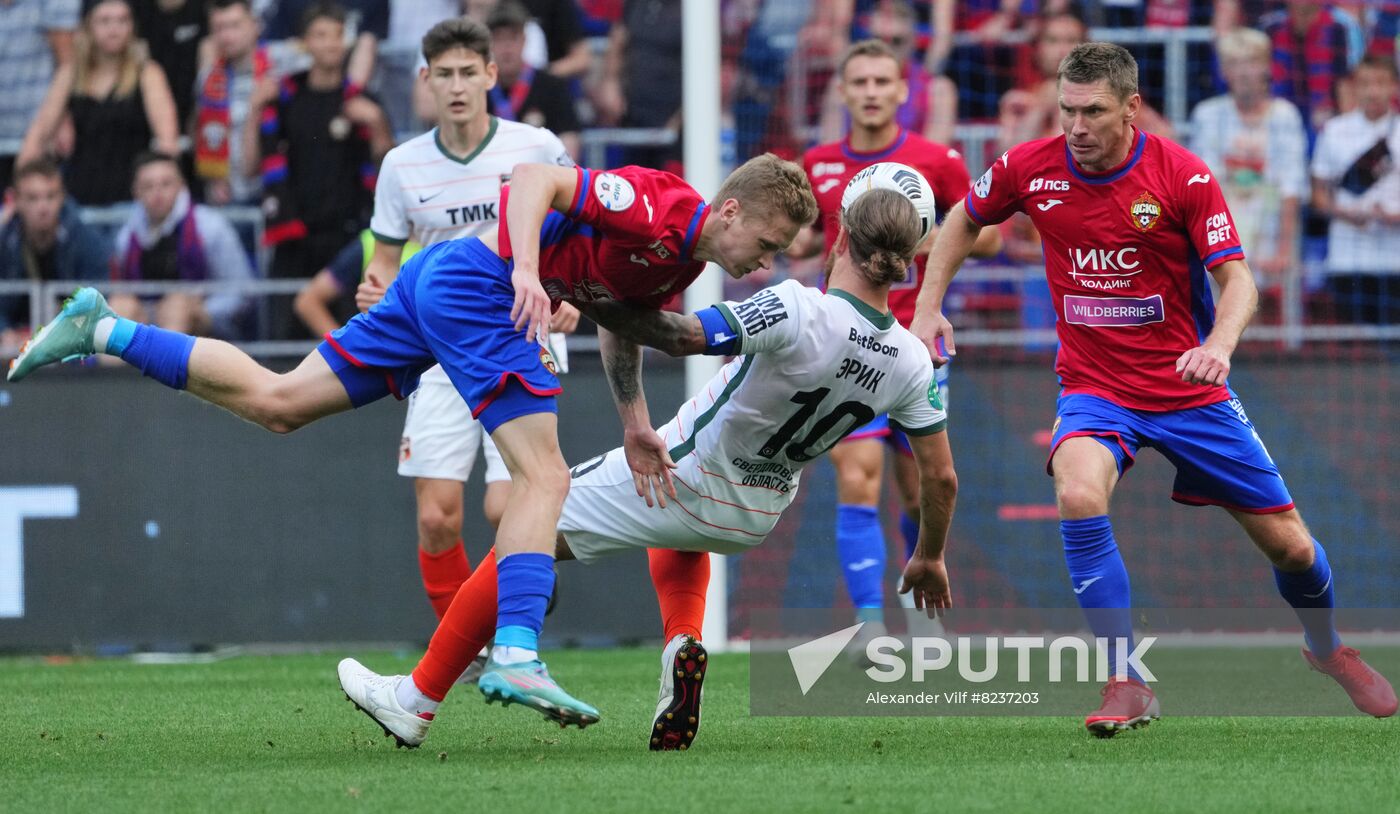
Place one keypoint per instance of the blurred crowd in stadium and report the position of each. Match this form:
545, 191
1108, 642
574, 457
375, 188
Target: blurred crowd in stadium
184, 140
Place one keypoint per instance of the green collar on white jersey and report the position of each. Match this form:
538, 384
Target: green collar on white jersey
490, 133
883, 320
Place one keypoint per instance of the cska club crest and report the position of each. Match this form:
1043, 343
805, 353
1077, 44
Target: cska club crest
1145, 211
547, 359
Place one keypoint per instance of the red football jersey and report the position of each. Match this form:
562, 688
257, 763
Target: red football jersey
628, 235
831, 166
1126, 255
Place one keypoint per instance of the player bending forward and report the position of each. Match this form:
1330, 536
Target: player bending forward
1131, 224
461, 304
813, 368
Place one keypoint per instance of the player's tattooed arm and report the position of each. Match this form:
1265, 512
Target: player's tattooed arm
646, 452
622, 361
671, 333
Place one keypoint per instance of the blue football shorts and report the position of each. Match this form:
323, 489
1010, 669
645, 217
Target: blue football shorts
449, 305
1218, 456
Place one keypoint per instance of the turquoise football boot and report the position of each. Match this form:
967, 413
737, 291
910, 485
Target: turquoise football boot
529, 683
67, 337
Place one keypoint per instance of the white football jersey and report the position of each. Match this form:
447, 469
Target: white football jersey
815, 367
427, 195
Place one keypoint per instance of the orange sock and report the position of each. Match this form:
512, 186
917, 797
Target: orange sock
443, 574
465, 628
681, 579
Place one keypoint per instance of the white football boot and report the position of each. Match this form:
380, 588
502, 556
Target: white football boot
375, 696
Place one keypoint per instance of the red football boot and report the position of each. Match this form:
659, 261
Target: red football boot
1127, 704
1368, 689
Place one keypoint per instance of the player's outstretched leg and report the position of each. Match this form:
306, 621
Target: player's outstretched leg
68, 337
210, 369
525, 569
681, 579
378, 697
1304, 580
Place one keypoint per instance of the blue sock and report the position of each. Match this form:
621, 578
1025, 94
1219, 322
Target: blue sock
860, 542
1310, 593
160, 354
523, 585
1100, 582
121, 336
909, 529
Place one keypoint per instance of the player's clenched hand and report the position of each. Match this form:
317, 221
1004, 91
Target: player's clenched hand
651, 465
1204, 365
930, 329
368, 293
565, 320
928, 579
531, 308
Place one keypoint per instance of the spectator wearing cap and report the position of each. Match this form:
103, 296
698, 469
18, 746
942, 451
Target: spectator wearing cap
522, 93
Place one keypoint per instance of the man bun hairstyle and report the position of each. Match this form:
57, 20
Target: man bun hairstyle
766, 185
1092, 61
882, 233
457, 32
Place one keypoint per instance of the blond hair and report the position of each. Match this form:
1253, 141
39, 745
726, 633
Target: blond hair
882, 232
768, 185
133, 58
1244, 43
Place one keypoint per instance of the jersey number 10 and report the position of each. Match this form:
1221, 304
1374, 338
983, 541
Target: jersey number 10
858, 414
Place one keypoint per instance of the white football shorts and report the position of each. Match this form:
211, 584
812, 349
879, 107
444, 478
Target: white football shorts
603, 515
440, 437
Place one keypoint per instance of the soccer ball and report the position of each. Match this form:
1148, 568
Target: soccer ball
901, 177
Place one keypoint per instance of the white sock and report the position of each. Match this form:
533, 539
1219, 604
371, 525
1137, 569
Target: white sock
513, 655
101, 332
412, 699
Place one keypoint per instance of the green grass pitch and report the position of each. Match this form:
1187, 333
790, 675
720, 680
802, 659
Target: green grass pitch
274, 734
